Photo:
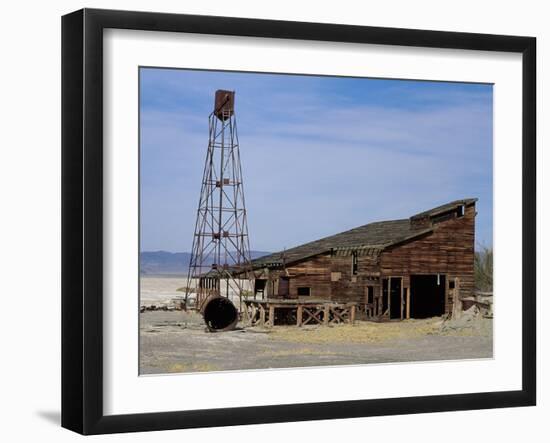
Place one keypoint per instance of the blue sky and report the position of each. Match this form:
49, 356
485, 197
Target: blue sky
319, 154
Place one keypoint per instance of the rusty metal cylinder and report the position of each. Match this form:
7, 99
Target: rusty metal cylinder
219, 314
224, 104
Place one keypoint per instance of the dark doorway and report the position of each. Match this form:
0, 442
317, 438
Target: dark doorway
395, 298
427, 295
370, 294
259, 287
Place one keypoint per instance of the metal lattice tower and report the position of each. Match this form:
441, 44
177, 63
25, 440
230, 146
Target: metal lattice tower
220, 256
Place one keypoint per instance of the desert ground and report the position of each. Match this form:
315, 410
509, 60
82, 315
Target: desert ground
159, 290
177, 341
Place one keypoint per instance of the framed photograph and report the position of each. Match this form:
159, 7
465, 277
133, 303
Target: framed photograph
382, 262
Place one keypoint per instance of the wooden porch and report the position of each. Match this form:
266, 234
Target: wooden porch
299, 312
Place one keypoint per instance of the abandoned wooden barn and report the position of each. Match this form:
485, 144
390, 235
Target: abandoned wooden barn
410, 268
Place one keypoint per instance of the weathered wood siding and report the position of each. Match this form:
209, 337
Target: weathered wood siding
448, 250
349, 287
313, 273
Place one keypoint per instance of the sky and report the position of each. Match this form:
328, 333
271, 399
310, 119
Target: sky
320, 155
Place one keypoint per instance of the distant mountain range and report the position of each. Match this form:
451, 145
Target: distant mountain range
163, 262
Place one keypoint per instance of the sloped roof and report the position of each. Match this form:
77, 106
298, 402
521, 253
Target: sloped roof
377, 235
445, 208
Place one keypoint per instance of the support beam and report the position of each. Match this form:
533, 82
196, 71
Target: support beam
379, 300
299, 312
457, 302
388, 294
271, 315
402, 299
408, 306
246, 317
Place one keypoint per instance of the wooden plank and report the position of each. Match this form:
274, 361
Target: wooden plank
408, 307
307, 270
402, 299
271, 320
246, 315
299, 315
327, 314
457, 302
389, 296
338, 315
254, 314
313, 314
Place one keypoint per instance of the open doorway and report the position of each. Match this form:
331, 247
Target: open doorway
427, 295
391, 300
259, 287
395, 298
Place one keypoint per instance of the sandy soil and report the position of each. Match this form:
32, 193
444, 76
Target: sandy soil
177, 342
160, 289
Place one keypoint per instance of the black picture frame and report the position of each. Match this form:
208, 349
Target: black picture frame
82, 215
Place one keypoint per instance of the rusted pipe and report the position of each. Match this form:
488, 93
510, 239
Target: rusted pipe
219, 314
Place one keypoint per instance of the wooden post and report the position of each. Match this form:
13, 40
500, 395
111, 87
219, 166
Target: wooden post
245, 315
271, 315
457, 302
327, 315
380, 294
408, 307
352, 314
262, 316
254, 310
299, 315
388, 293
457, 289
402, 299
